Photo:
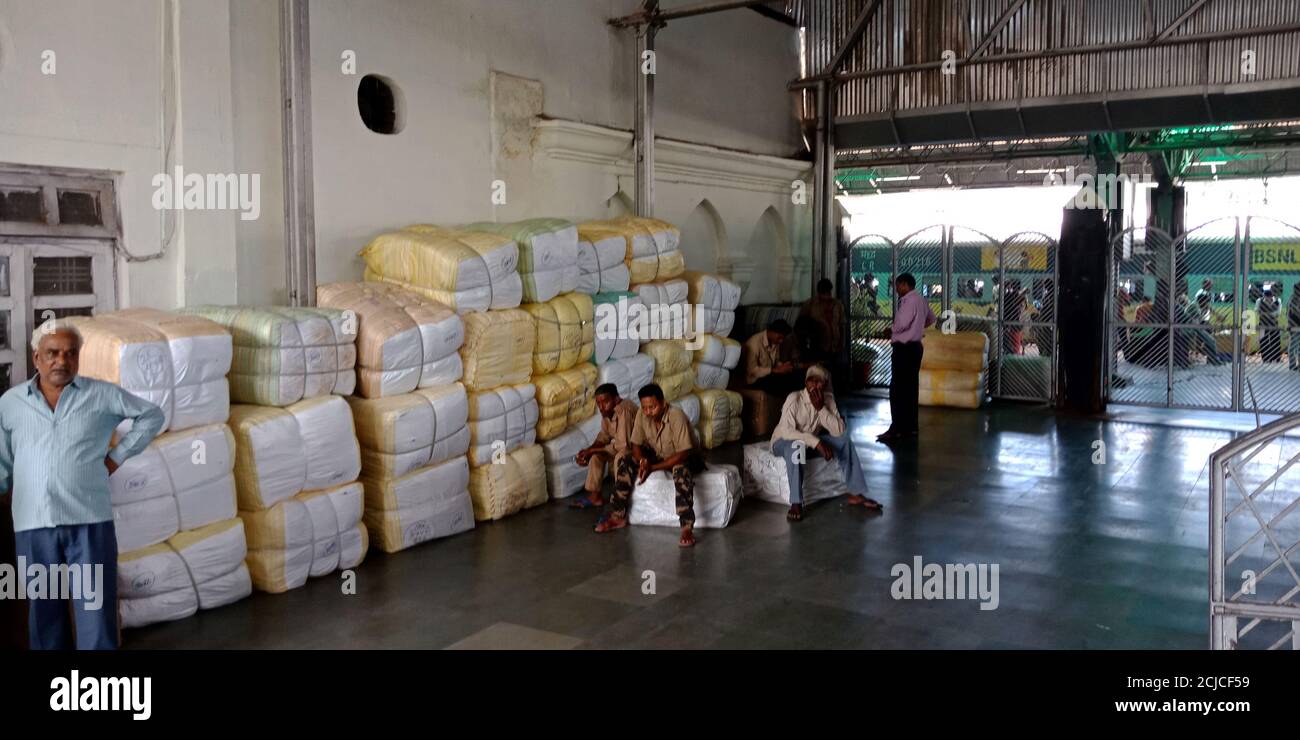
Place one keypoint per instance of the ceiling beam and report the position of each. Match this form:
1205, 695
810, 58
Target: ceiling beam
660, 17
859, 27
997, 27
1180, 20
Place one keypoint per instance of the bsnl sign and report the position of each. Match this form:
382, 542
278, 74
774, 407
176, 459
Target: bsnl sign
1275, 258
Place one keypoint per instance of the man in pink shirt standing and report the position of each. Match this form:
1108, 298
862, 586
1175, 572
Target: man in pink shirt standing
911, 318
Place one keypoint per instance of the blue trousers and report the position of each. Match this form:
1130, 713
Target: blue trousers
49, 621
846, 456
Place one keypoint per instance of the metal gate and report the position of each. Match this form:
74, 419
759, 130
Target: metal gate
1004, 289
1205, 321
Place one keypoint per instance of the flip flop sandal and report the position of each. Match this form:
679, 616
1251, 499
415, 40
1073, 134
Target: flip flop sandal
585, 503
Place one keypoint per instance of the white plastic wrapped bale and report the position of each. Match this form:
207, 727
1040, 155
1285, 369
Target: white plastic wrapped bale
673, 372
548, 254
714, 361
498, 349
517, 482
650, 246
403, 341
400, 434
339, 539
601, 268
565, 332
690, 405
129, 354
616, 337
667, 312
718, 297
282, 355
629, 374
464, 270
564, 477
181, 481
423, 505
502, 419
329, 442
720, 417
203, 568
717, 496
285, 546
765, 479
200, 353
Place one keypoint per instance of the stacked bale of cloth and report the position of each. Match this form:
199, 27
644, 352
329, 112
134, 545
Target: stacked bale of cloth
690, 405
953, 369
564, 399
716, 299
283, 355
564, 477
548, 255
181, 546
500, 421
464, 270
714, 360
176, 362
720, 417
717, 496
564, 331
295, 478
601, 253
629, 374
668, 315
516, 482
414, 471
403, 340
650, 246
617, 336
673, 370
498, 348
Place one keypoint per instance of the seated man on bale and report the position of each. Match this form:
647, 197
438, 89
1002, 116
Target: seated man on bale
661, 442
767, 364
617, 415
811, 424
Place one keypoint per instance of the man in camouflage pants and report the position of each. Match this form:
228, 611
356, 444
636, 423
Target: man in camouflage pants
661, 441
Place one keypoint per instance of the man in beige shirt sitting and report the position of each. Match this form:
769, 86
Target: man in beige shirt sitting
616, 418
811, 424
662, 441
765, 368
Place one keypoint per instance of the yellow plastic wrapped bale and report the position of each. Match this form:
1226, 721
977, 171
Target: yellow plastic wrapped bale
966, 350
951, 380
676, 385
498, 349
531, 461
564, 399
280, 546
670, 356
583, 381
404, 341
651, 251
720, 417
498, 490
565, 332
958, 399
464, 270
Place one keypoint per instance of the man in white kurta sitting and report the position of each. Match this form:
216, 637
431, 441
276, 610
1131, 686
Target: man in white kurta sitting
811, 425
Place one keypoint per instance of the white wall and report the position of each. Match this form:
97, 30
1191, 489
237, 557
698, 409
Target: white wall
721, 81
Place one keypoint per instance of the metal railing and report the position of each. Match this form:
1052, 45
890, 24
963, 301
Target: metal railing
1254, 541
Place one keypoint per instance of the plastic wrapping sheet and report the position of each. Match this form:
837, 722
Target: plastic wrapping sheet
601, 266
548, 254
426, 504
617, 332
564, 476
565, 332
203, 568
717, 496
501, 420
329, 442
629, 374
965, 350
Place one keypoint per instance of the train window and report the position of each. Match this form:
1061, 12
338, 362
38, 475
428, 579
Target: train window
932, 290
970, 288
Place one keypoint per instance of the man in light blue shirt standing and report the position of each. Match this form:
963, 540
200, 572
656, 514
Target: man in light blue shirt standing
55, 431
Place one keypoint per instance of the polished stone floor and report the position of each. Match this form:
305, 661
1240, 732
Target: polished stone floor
1089, 555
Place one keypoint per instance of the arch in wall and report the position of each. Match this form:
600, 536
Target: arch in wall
770, 252
619, 204
704, 238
